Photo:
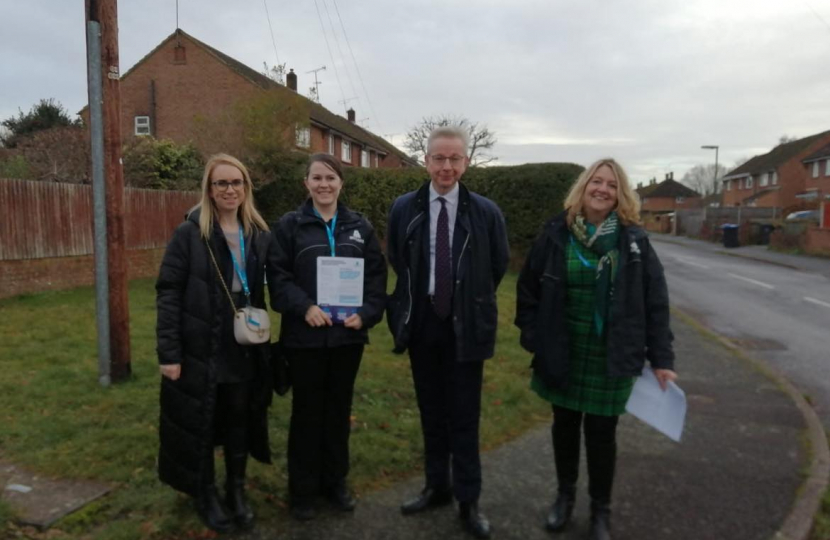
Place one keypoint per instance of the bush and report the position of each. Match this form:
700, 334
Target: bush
15, 166
162, 164
527, 194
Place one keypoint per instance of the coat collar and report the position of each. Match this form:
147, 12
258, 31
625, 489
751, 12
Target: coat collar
344, 214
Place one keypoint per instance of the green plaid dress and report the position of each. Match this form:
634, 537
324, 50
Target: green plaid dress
589, 388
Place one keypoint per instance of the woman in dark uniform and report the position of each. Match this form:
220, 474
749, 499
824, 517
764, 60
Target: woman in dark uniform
592, 306
324, 345
214, 390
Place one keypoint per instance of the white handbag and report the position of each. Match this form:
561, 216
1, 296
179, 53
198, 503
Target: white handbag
251, 326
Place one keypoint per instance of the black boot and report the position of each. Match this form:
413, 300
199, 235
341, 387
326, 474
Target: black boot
342, 497
475, 523
600, 520
560, 513
235, 498
211, 510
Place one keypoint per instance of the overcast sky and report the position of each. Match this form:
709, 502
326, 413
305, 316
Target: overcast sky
645, 81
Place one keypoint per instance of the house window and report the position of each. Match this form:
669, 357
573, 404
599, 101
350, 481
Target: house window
331, 144
740, 183
142, 125
346, 151
729, 185
364, 159
815, 169
827, 168
764, 179
748, 182
302, 137
774, 178
679, 200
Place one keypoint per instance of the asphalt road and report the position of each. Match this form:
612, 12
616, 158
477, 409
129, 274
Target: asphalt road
774, 313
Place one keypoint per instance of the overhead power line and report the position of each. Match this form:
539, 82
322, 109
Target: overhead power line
340, 52
271, 29
328, 47
357, 69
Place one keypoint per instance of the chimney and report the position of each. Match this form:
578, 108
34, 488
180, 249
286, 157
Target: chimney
291, 80
351, 116
671, 175
639, 185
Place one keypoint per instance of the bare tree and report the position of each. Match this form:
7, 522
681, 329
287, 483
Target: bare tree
701, 178
482, 139
784, 139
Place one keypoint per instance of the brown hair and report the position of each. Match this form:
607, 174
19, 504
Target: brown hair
628, 203
326, 159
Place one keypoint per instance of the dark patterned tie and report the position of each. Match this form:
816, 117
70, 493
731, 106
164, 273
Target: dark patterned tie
442, 301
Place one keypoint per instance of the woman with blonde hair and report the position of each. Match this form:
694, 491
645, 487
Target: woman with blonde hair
213, 390
592, 306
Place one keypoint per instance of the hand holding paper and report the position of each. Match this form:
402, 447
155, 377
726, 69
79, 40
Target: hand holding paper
665, 411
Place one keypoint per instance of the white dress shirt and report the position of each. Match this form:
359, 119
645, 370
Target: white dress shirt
434, 209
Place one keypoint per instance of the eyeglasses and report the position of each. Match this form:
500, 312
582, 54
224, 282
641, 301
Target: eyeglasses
223, 185
455, 161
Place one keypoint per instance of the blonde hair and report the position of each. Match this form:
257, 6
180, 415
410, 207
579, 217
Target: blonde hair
628, 203
247, 213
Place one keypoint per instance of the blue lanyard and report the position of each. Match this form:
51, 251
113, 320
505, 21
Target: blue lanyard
585, 262
329, 229
240, 270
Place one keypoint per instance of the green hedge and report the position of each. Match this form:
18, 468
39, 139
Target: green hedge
527, 194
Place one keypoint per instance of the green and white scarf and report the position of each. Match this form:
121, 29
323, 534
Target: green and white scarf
604, 241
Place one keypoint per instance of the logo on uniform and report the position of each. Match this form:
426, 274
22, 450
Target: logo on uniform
356, 236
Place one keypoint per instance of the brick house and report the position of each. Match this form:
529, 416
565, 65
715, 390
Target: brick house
659, 200
817, 182
777, 179
183, 78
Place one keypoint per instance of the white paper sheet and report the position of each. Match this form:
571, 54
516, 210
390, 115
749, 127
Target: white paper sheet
339, 286
664, 411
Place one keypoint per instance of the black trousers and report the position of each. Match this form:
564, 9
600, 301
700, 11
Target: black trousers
600, 451
321, 406
230, 423
449, 399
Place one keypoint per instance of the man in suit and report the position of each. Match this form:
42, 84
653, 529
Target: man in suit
448, 247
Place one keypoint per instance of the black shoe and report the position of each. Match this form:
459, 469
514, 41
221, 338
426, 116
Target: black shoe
560, 513
342, 498
600, 521
235, 497
475, 523
303, 512
212, 512
428, 498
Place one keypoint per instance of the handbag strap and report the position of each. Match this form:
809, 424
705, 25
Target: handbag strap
224, 286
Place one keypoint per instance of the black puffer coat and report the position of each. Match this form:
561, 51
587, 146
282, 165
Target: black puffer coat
192, 308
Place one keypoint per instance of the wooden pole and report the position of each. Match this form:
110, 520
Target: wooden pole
105, 12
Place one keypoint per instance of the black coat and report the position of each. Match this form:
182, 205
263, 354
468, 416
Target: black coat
480, 258
192, 309
301, 238
639, 312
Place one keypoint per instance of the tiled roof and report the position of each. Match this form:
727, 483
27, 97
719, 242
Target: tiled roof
667, 189
775, 157
821, 153
318, 113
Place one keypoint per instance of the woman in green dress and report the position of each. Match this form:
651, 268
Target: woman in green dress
592, 306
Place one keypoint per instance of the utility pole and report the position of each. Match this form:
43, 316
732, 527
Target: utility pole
102, 15
316, 82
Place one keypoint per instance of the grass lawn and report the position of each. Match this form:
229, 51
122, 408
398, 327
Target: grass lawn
56, 419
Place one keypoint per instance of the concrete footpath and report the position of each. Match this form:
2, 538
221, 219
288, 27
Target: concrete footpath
738, 473
804, 263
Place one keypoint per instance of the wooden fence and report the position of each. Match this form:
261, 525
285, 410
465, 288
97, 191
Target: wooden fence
42, 219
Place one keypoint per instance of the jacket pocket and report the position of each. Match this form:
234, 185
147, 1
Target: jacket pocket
485, 318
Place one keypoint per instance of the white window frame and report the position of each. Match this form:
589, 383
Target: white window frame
764, 180
142, 126
365, 161
729, 185
815, 169
748, 183
774, 178
827, 168
302, 136
680, 200
346, 151
331, 144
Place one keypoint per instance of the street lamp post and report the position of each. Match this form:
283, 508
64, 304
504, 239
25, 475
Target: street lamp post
715, 148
